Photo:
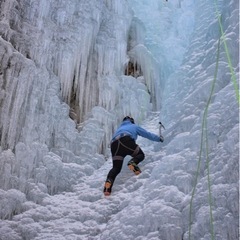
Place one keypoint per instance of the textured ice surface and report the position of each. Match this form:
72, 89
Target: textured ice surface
59, 59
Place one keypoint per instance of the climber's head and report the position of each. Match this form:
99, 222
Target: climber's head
129, 118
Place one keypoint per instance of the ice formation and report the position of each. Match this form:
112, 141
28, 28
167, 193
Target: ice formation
69, 72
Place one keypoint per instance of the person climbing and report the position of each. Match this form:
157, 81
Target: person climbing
123, 144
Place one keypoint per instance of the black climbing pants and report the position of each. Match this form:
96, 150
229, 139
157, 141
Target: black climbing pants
120, 149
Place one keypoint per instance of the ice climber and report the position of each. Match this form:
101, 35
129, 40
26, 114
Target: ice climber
123, 144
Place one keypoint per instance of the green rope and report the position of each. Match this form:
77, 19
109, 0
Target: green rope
204, 132
194, 187
233, 76
206, 135
204, 126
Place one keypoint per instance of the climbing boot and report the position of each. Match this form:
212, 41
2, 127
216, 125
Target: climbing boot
134, 167
107, 187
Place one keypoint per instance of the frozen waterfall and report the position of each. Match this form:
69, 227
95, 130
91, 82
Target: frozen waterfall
71, 70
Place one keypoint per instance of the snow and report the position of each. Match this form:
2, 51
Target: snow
63, 93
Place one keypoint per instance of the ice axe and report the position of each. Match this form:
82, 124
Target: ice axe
160, 132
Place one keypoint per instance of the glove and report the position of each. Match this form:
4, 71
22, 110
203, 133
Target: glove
161, 138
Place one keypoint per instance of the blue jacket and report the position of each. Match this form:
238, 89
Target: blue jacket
133, 131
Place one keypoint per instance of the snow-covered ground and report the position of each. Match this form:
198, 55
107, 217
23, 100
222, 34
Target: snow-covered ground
58, 57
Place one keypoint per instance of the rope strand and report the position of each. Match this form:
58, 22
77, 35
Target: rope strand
233, 76
204, 133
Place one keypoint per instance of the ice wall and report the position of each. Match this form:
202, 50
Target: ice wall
67, 41
186, 95
162, 31
43, 151
187, 51
61, 59
161, 205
